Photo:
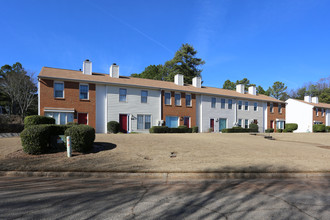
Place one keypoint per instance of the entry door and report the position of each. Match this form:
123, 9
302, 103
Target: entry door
271, 124
186, 121
212, 124
123, 123
82, 118
222, 123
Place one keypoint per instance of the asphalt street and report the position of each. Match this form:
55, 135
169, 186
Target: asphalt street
102, 198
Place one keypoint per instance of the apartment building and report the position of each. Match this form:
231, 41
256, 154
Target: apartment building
138, 104
307, 112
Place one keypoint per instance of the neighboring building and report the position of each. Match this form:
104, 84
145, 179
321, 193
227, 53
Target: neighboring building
276, 115
307, 112
138, 104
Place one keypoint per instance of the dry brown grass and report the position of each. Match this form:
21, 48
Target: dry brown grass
210, 152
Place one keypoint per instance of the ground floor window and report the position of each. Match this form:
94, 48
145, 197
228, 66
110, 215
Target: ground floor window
61, 118
239, 122
172, 121
280, 125
318, 122
246, 123
143, 122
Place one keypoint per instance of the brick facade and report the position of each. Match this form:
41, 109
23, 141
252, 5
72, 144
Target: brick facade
319, 116
272, 116
180, 111
71, 99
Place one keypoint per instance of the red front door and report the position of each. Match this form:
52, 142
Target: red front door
123, 123
82, 118
186, 121
212, 124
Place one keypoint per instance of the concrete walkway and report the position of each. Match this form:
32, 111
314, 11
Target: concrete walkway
6, 135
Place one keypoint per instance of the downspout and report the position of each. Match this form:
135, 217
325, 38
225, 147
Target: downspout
38, 96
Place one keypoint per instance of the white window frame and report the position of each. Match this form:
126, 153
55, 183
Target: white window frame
239, 124
143, 121
165, 98
279, 122
176, 99
84, 84
231, 104
240, 105
323, 112
190, 104
222, 104
246, 125
51, 114
215, 102
271, 107
246, 106
59, 82
144, 96
125, 94
255, 106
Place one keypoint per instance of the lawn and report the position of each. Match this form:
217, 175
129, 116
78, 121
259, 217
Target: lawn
207, 152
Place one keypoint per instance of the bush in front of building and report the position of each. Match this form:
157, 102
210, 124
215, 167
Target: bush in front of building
269, 130
319, 128
290, 127
194, 129
327, 128
236, 130
113, 127
37, 120
180, 129
82, 137
279, 130
35, 139
254, 127
159, 129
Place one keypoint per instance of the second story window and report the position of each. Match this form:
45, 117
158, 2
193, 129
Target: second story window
230, 103
317, 111
83, 88
144, 96
188, 100
59, 89
279, 108
213, 102
177, 99
167, 98
122, 95
246, 106
223, 103
271, 107
240, 105
255, 107
322, 111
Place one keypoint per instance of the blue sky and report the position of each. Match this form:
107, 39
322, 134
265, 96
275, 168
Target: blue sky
264, 41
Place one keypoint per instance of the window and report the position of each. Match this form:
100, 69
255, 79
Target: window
144, 96
317, 111
322, 111
177, 99
143, 122
230, 103
255, 106
246, 107
223, 103
83, 91
318, 122
240, 105
188, 100
280, 125
122, 95
167, 98
213, 101
240, 122
271, 107
279, 108
59, 89
172, 121
61, 118
246, 124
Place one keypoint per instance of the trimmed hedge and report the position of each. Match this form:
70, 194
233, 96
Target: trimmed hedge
236, 130
319, 128
279, 130
327, 128
290, 127
159, 129
11, 128
194, 129
113, 127
38, 120
82, 137
35, 139
269, 130
180, 129
254, 127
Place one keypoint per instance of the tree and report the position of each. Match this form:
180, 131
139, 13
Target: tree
261, 91
184, 62
229, 85
325, 96
19, 86
277, 90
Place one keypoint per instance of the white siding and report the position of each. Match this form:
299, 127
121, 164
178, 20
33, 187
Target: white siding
250, 114
265, 118
327, 117
300, 113
133, 106
101, 109
198, 112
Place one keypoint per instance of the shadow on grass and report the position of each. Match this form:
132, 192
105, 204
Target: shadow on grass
103, 146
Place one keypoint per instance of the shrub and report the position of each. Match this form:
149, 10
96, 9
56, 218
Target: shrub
159, 129
279, 130
269, 130
183, 129
235, 130
72, 123
285, 130
82, 137
195, 129
165, 129
35, 139
11, 128
37, 120
113, 127
327, 128
291, 127
254, 127
319, 128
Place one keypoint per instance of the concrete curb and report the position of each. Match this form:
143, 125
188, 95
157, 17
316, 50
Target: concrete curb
166, 176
